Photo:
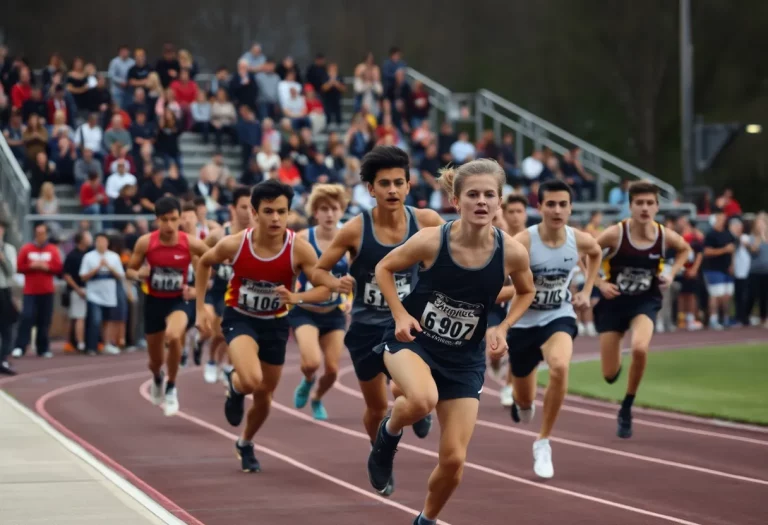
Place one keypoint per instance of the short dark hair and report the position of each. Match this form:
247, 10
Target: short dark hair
199, 201
642, 187
189, 206
101, 234
516, 198
555, 185
166, 205
383, 158
239, 193
270, 190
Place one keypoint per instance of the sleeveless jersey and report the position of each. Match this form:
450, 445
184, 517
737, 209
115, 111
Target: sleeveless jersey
633, 270
339, 269
553, 269
369, 306
452, 302
222, 272
169, 266
202, 231
251, 291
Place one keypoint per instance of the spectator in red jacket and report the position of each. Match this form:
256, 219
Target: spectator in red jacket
38, 261
22, 91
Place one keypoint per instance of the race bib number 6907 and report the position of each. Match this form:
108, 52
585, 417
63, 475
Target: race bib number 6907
449, 321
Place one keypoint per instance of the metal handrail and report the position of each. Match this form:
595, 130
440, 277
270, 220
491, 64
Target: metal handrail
15, 190
485, 96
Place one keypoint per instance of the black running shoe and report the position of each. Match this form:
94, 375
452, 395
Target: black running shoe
248, 460
197, 353
380, 461
624, 430
421, 428
234, 406
184, 357
514, 413
5, 369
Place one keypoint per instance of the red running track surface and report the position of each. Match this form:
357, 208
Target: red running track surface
675, 469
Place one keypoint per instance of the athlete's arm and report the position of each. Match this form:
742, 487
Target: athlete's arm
421, 248
508, 290
609, 243
588, 245
347, 239
305, 258
137, 258
427, 217
675, 241
224, 250
518, 267
215, 236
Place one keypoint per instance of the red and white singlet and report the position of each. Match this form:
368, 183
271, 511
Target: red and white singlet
168, 266
251, 291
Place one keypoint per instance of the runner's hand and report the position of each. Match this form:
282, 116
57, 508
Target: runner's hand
403, 327
346, 284
203, 322
609, 290
143, 272
495, 342
580, 300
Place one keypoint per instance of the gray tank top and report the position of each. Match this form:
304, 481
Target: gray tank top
552, 269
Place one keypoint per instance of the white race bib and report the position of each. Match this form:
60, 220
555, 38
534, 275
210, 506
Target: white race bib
448, 321
373, 297
225, 272
551, 291
258, 297
166, 279
634, 281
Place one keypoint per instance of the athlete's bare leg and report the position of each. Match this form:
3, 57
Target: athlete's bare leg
156, 351
244, 355
262, 400
176, 327
610, 354
414, 377
642, 332
557, 353
457, 423
375, 396
332, 345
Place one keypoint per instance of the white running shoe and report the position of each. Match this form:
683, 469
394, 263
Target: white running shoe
498, 370
17, 352
171, 402
590, 329
506, 396
210, 373
156, 393
542, 459
111, 349
580, 328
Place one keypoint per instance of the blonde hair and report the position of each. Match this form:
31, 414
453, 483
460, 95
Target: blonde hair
452, 178
326, 192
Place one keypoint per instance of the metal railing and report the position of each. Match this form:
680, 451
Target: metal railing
15, 193
606, 167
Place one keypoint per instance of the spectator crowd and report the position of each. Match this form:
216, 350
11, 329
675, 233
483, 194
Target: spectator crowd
115, 138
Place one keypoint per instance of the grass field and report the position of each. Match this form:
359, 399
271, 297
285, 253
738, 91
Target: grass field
724, 382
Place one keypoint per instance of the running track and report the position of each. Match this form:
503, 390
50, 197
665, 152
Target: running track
675, 469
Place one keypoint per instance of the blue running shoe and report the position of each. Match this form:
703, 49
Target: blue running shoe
318, 410
624, 430
248, 461
301, 394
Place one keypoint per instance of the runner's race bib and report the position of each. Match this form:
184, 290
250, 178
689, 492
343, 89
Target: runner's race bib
450, 322
373, 297
551, 291
634, 281
258, 297
166, 279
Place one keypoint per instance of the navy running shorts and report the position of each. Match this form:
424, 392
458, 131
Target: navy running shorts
616, 315
360, 340
270, 334
452, 380
157, 310
325, 322
525, 343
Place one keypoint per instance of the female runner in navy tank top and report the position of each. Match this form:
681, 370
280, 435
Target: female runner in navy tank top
319, 327
433, 350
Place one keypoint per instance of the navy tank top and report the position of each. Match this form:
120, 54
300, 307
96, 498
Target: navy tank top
339, 269
369, 306
452, 303
222, 273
